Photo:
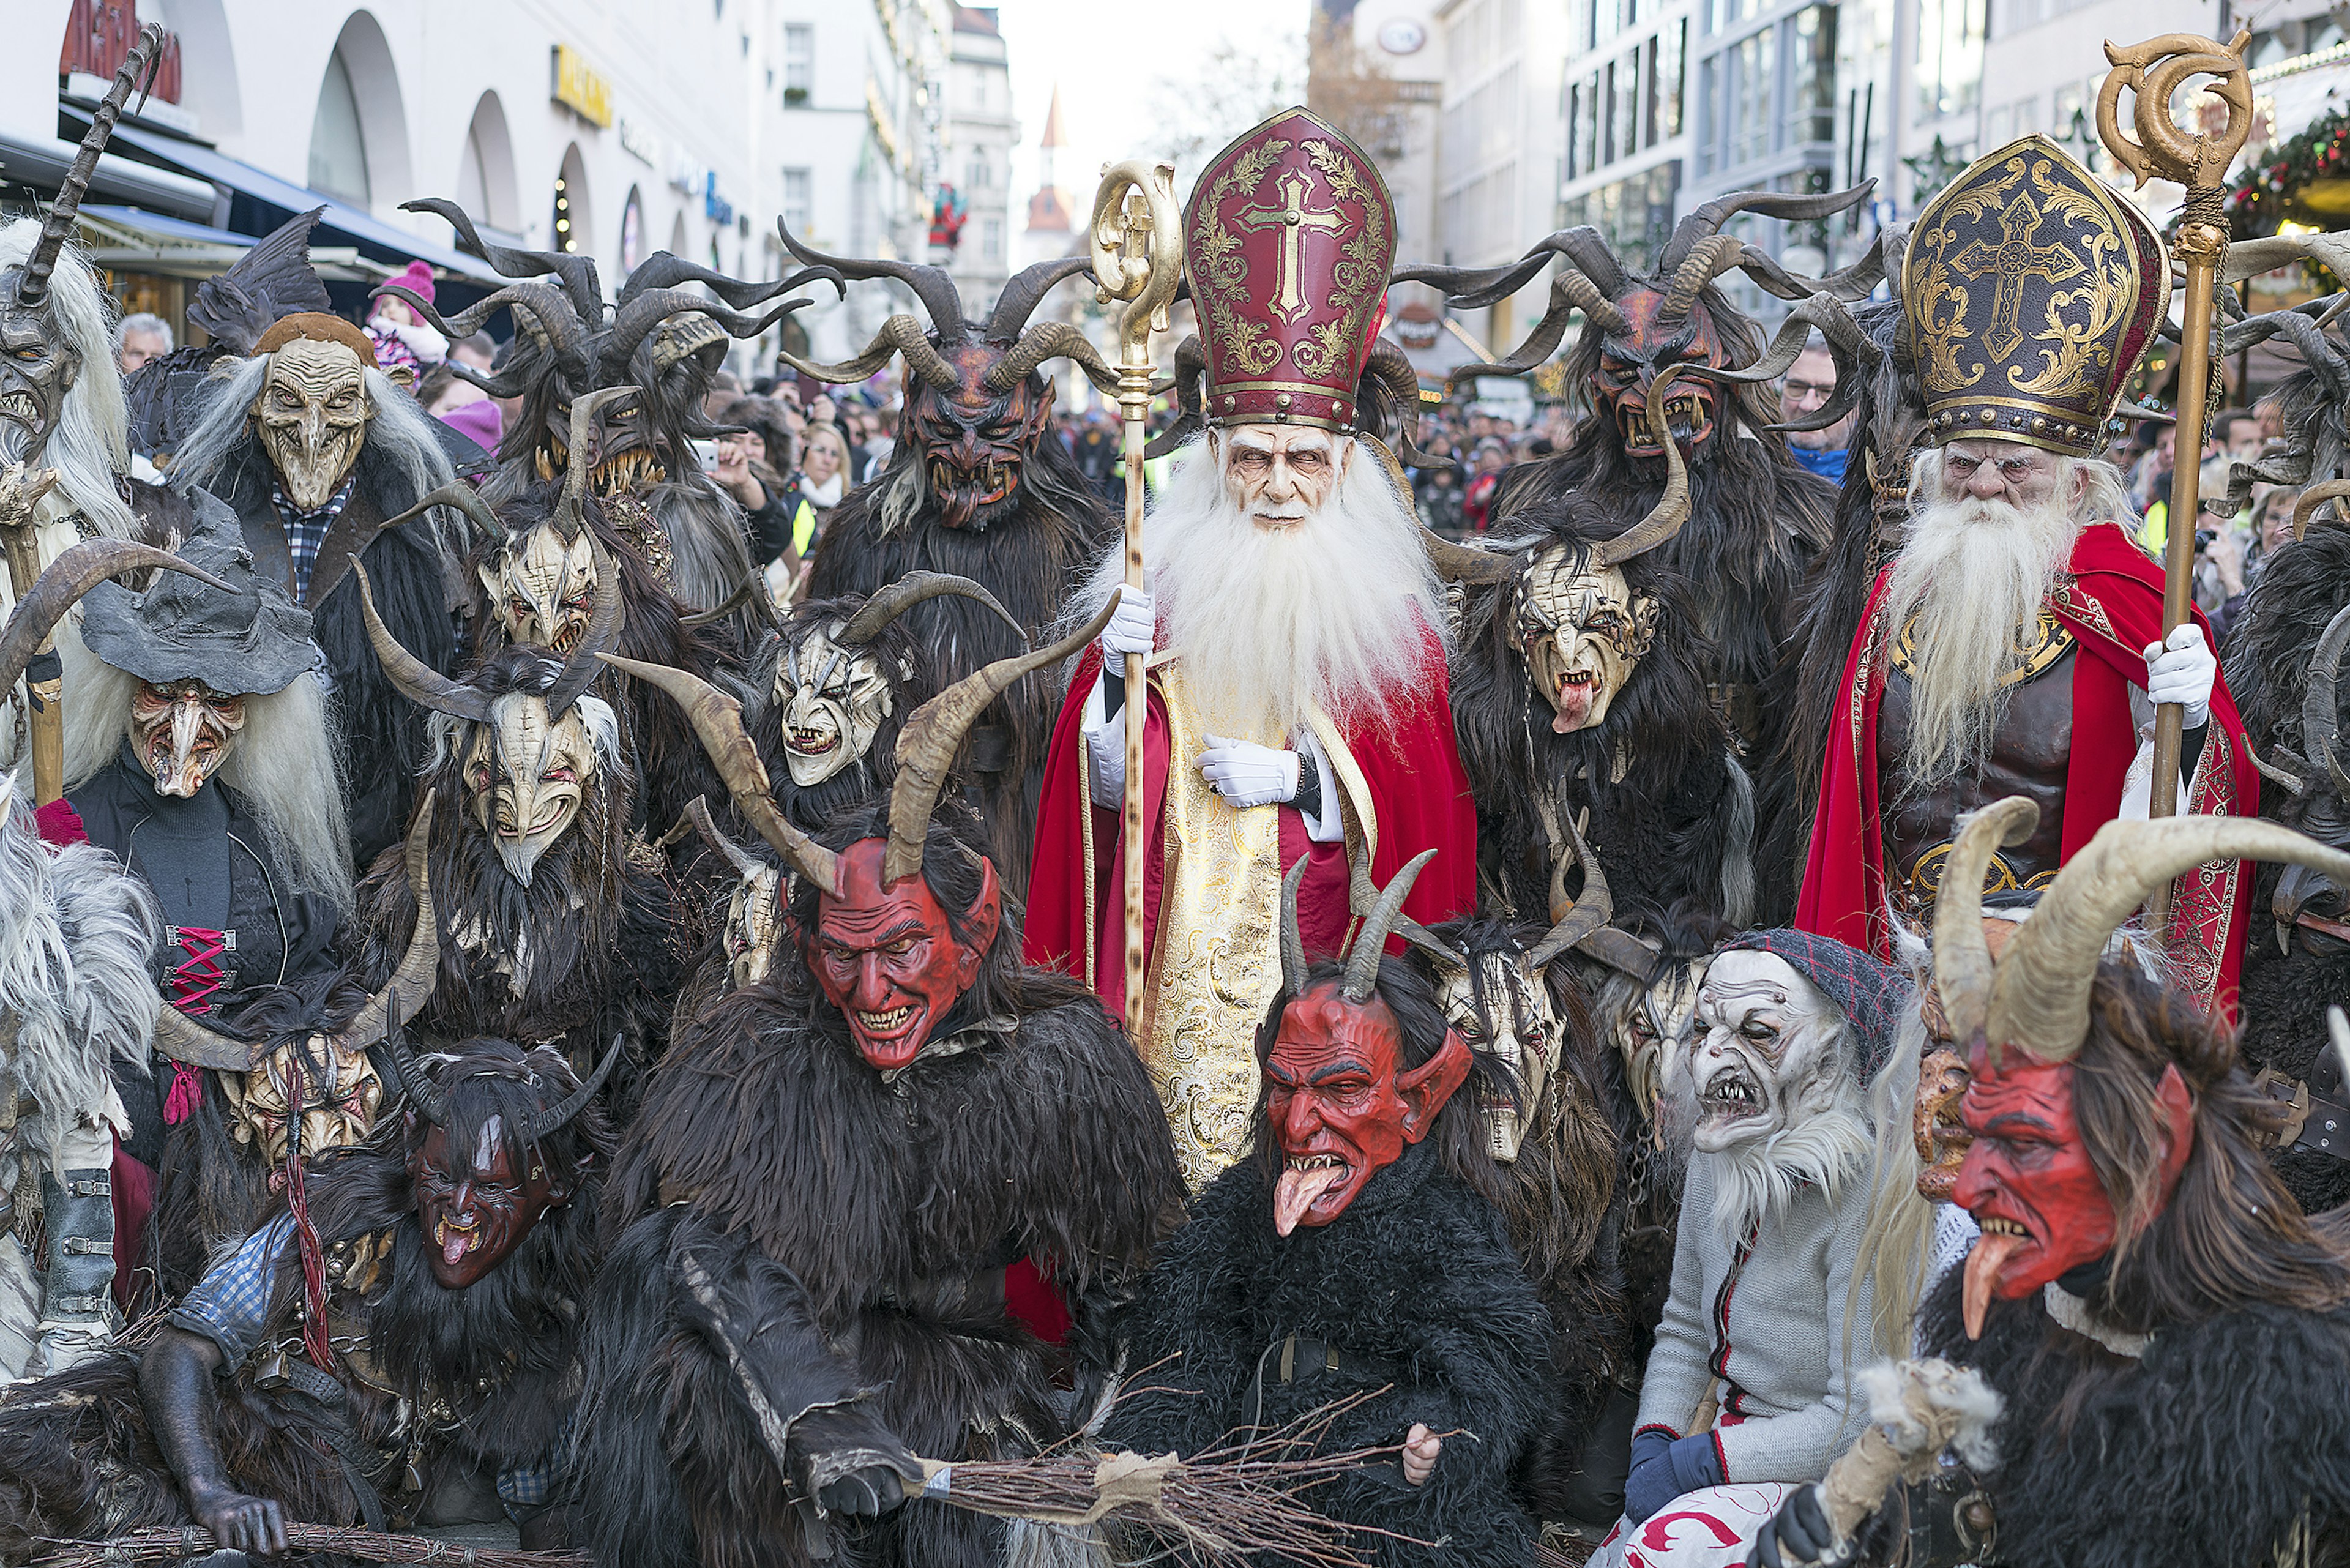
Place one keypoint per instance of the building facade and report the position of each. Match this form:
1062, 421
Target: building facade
976, 181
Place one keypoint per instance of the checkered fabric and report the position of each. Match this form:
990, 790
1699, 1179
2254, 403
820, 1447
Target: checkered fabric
306, 532
229, 1305
1872, 993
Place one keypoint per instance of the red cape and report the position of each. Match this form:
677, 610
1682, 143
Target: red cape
1419, 792
2114, 606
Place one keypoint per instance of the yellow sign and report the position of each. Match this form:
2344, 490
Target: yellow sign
579, 88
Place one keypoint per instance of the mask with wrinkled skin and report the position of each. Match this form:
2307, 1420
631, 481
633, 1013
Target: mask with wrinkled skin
1935, 1125
341, 1096
475, 1209
1651, 1034
1581, 632
834, 700
36, 370
542, 588
1766, 1059
183, 732
312, 417
1518, 1027
525, 777
752, 927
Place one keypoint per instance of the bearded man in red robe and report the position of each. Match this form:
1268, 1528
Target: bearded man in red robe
2013, 645
1294, 631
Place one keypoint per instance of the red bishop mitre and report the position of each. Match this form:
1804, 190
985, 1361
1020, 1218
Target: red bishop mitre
1288, 241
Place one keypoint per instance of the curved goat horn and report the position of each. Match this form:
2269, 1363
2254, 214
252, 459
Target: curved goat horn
411, 985
464, 497
637, 320
1371, 941
56, 224
667, 269
62, 582
1672, 509
1572, 922
2305, 506
1293, 941
2040, 997
928, 745
569, 518
1474, 288
932, 286
745, 864
1847, 340
424, 1096
899, 335
1854, 282
1707, 221
546, 308
2320, 721
1962, 963
540, 1123
1026, 291
417, 681
717, 719
602, 636
182, 1039
1466, 563
1191, 395
1046, 340
1707, 260
913, 588
1386, 368
577, 269
1570, 291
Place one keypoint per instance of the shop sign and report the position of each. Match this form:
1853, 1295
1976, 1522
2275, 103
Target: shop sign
579, 88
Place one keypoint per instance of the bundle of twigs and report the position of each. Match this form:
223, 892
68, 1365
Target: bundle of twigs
191, 1540
1240, 1502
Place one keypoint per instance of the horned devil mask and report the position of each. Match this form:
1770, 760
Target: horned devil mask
1582, 629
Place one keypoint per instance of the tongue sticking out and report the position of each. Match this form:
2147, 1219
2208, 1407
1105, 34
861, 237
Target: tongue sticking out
1573, 707
455, 1244
1297, 1192
1990, 1254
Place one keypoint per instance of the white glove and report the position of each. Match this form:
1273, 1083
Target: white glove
2181, 670
1130, 629
429, 346
1246, 773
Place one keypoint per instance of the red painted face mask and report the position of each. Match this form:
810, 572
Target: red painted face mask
474, 1207
1339, 1108
2028, 1181
887, 958
1632, 361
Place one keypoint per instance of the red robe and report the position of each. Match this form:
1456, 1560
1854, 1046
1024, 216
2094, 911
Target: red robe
2112, 604
1418, 789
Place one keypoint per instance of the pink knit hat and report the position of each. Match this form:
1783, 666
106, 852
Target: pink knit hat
417, 279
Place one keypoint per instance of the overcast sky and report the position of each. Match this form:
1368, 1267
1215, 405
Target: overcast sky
1107, 57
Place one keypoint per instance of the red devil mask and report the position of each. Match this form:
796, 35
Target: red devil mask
1653, 340
474, 1205
888, 956
1338, 1105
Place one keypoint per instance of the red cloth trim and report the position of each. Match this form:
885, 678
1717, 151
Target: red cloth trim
1418, 788
1658, 1426
60, 824
1031, 1296
2114, 606
134, 1202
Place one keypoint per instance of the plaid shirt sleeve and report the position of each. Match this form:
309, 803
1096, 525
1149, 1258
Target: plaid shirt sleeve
229, 1305
535, 1486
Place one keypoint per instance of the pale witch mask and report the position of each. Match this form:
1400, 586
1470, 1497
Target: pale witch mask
1517, 1026
834, 700
525, 776
341, 1094
1766, 1059
312, 417
1582, 632
182, 732
542, 588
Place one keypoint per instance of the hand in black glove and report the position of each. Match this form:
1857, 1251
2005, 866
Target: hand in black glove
256, 1525
1665, 1467
851, 1463
1799, 1536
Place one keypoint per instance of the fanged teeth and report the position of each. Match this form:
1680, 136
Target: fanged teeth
1313, 1161
1730, 1090
19, 405
1992, 1225
883, 1022
811, 739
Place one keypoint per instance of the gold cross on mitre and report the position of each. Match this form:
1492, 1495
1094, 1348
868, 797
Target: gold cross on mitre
1289, 298
2014, 259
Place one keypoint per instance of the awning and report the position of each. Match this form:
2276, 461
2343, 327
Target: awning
129, 240
260, 201
117, 179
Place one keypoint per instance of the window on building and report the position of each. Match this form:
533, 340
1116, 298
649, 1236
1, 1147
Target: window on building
1811, 78
980, 174
1751, 64
799, 62
339, 163
799, 200
1587, 126
1709, 114
991, 239
1949, 56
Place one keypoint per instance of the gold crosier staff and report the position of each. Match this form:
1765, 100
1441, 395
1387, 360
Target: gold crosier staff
2153, 71
1138, 254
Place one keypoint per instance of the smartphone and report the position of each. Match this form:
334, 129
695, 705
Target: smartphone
705, 452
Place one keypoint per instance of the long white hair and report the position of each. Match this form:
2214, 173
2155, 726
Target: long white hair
1343, 612
282, 766
91, 443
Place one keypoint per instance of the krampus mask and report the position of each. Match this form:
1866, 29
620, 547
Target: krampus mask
883, 949
479, 1195
2307, 903
753, 925
1339, 1098
37, 363
976, 400
2044, 1202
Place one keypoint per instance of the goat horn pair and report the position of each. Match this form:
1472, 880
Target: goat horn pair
1846, 339
717, 720
1570, 291
1384, 916
415, 679
2035, 998
900, 334
931, 284
1707, 221
431, 1101
697, 811
60, 587
1026, 291
577, 269
1046, 340
56, 224
913, 588
1571, 923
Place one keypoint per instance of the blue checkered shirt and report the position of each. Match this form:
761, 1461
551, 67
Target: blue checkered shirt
230, 1306
306, 532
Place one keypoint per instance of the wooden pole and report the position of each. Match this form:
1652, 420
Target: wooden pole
1137, 245
2154, 71
20, 494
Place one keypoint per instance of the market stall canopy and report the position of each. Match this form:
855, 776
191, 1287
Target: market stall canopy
126, 237
43, 163
260, 201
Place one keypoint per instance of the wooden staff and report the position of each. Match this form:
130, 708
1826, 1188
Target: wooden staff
21, 491
1136, 244
2154, 71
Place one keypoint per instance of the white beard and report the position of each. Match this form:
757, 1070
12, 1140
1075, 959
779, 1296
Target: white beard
1756, 1179
1974, 574
1334, 613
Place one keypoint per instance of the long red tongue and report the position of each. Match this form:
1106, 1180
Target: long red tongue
1988, 1256
455, 1245
1297, 1192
